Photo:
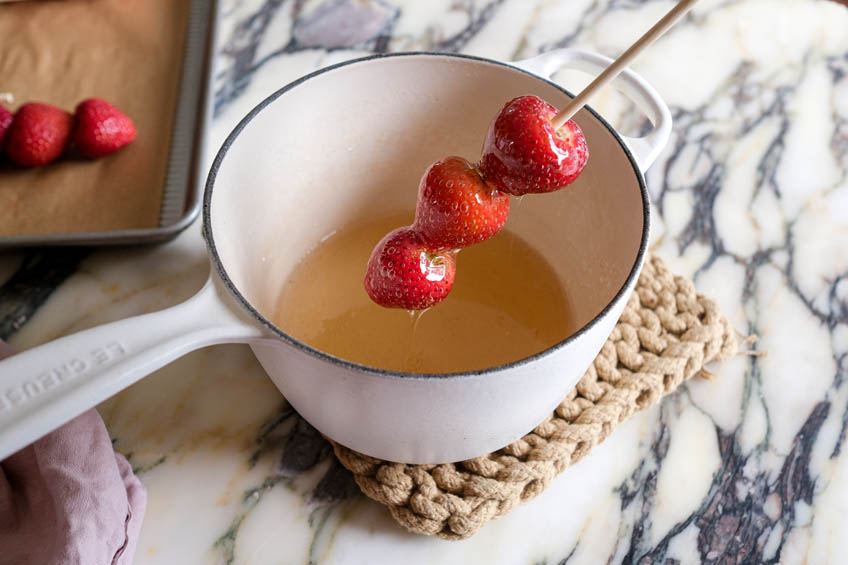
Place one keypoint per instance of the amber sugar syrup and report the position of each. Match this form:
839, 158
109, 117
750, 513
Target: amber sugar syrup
506, 304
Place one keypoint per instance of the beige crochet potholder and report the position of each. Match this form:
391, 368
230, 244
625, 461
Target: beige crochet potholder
666, 335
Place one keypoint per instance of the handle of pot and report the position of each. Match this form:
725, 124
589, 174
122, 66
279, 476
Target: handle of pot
645, 149
44, 387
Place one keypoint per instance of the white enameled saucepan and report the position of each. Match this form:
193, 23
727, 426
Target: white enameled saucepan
325, 143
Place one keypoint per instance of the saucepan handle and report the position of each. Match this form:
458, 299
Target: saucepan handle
646, 148
44, 387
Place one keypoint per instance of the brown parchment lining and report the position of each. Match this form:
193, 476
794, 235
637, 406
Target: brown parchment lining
128, 52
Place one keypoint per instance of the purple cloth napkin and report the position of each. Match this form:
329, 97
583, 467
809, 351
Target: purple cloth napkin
69, 498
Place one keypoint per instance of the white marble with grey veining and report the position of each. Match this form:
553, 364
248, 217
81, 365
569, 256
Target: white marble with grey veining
751, 199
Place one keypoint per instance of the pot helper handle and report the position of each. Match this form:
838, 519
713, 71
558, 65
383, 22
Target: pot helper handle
44, 387
645, 149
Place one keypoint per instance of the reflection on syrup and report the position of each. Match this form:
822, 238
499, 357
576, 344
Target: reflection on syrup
506, 304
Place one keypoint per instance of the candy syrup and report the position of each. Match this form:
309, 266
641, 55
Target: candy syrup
414, 318
506, 304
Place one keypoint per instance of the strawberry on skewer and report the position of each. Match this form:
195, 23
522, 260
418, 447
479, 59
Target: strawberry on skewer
5, 121
523, 153
456, 207
403, 273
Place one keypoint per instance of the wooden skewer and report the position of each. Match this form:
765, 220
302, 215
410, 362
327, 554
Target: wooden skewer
618, 65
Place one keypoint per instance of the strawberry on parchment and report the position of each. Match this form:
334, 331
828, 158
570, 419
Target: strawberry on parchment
38, 134
100, 128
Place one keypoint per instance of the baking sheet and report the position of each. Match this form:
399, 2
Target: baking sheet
180, 183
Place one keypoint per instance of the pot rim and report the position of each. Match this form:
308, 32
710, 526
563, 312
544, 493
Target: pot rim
375, 371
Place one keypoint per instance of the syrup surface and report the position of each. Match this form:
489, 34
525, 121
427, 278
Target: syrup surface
506, 304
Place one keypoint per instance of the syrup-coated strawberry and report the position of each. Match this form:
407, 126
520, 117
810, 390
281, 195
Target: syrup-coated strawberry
403, 273
456, 208
38, 134
5, 121
523, 154
100, 128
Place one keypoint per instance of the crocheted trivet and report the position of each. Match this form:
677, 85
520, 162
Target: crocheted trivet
666, 335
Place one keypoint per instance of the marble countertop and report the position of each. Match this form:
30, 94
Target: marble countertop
750, 198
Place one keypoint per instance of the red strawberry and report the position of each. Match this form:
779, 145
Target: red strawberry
522, 152
456, 208
38, 134
5, 121
403, 273
100, 128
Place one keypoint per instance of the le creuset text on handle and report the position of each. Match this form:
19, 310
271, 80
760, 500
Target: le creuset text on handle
46, 386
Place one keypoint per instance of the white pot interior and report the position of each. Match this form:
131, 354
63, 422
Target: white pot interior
355, 140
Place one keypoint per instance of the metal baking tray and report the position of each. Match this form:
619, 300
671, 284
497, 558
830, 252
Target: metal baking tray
185, 173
